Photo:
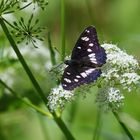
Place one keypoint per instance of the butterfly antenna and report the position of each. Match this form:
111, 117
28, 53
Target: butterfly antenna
56, 50
56, 67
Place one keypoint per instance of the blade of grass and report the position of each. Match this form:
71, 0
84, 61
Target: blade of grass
57, 119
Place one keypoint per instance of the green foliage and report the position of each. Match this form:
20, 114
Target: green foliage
27, 31
7, 6
41, 3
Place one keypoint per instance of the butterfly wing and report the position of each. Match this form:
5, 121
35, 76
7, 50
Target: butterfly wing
75, 76
87, 46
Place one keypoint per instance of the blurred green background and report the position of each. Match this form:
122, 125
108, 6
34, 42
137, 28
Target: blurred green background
117, 22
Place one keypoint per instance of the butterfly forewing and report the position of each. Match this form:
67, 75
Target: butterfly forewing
88, 44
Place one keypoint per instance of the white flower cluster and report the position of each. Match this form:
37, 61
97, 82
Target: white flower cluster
120, 68
58, 98
109, 95
119, 73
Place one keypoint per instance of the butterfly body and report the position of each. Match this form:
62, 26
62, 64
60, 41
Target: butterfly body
86, 61
83, 62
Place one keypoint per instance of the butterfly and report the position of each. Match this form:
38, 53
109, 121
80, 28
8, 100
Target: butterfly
86, 60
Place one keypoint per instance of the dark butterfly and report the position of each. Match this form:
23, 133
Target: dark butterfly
86, 59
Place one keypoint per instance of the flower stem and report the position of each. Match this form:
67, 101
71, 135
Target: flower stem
52, 53
26, 101
62, 30
63, 127
123, 126
59, 121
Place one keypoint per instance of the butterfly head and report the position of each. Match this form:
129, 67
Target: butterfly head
72, 62
67, 62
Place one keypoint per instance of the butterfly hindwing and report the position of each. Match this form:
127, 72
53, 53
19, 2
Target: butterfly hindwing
74, 77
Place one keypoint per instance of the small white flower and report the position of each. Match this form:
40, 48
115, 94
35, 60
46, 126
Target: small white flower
114, 95
131, 78
130, 81
107, 95
58, 98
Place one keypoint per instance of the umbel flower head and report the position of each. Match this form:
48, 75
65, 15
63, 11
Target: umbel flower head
58, 98
28, 32
118, 74
120, 69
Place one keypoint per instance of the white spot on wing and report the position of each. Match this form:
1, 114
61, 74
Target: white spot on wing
92, 55
76, 80
89, 50
89, 71
68, 73
67, 80
83, 74
87, 31
92, 58
64, 85
90, 44
79, 47
77, 76
85, 38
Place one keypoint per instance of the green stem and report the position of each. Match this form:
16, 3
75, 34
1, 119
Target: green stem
62, 30
98, 125
52, 53
63, 127
9, 24
60, 123
123, 125
25, 101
